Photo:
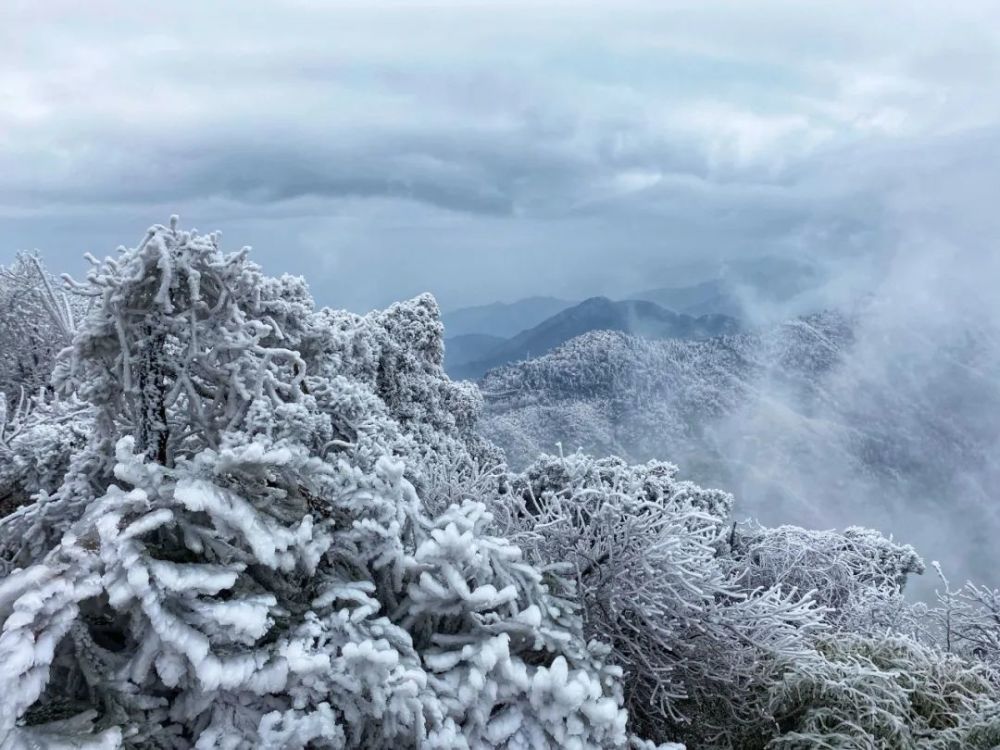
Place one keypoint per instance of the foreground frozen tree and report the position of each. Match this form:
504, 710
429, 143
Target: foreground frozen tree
745, 637
239, 556
699, 649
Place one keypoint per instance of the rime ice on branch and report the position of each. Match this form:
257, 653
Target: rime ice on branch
239, 557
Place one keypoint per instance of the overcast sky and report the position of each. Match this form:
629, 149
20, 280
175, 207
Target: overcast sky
495, 150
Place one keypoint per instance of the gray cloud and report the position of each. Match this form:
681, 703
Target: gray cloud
486, 151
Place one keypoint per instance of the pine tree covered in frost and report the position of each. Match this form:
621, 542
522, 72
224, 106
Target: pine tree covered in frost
238, 556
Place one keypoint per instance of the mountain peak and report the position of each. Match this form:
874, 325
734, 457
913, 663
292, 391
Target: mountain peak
644, 319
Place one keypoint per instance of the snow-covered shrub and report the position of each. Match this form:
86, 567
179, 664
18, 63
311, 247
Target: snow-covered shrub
699, 653
655, 482
37, 431
37, 440
857, 575
239, 555
885, 692
36, 322
397, 355
966, 621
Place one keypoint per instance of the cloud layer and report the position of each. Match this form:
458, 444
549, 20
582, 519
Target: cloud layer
486, 150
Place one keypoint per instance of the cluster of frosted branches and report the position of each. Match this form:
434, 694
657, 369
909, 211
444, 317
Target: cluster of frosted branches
239, 555
697, 649
37, 438
857, 574
746, 637
37, 319
966, 621
887, 691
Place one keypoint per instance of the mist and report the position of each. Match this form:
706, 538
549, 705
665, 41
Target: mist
901, 434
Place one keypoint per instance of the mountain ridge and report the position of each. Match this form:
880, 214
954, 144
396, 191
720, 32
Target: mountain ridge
502, 319
804, 421
640, 317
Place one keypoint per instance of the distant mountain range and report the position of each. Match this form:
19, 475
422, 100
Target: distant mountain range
643, 399
481, 338
713, 296
823, 420
472, 355
460, 351
740, 288
502, 319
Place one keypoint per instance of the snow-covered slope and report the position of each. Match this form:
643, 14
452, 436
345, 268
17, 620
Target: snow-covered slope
644, 398
637, 317
814, 421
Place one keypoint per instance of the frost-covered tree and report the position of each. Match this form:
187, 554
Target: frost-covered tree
856, 575
698, 649
36, 321
239, 555
885, 691
966, 621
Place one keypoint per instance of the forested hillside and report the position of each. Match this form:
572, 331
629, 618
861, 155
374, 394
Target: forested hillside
642, 398
235, 520
596, 314
802, 421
